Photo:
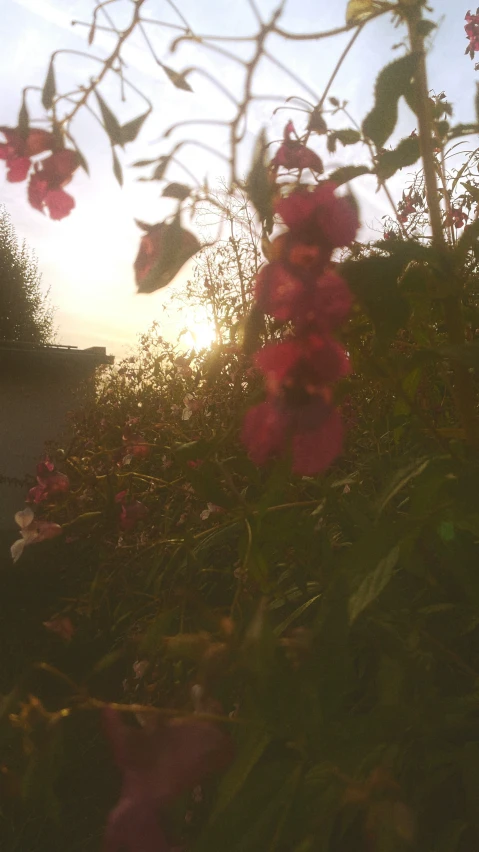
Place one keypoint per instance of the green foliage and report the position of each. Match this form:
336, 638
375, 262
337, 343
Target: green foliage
25, 312
393, 82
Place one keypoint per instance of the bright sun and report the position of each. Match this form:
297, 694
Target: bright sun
200, 332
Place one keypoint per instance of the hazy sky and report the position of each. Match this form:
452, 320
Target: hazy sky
87, 258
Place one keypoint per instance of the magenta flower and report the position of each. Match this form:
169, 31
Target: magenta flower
52, 484
472, 33
158, 764
45, 189
320, 213
319, 302
131, 511
292, 154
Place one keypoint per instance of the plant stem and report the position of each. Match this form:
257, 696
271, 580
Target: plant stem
463, 384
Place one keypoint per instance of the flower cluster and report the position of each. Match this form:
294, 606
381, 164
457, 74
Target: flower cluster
51, 484
472, 33
457, 217
292, 154
48, 176
408, 205
300, 287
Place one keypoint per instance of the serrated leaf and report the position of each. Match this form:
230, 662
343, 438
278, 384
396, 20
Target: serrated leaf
176, 190
178, 80
110, 121
117, 169
463, 130
130, 130
374, 584
49, 87
425, 28
406, 153
23, 119
258, 183
347, 136
393, 82
347, 173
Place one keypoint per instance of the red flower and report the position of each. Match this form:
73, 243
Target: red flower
17, 151
158, 764
457, 217
300, 368
330, 219
131, 512
163, 251
51, 484
472, 33
315, 431
135, 444
316, 302
294, 155
46, 184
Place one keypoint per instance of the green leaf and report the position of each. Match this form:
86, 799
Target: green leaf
130, 130
250, 749
110, 123
467, 240
463, 130
374, 584
393, 82
23, 119
399, 481
348, 136
297, 613
258, 183
49, 87
176, 190
117, 169
406, 153
347, 173
204, 481
374, 282
333, 665
358, 11
178, 80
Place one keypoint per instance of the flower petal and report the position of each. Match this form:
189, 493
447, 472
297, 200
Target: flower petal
17, 549
24, 518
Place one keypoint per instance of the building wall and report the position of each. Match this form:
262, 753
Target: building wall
37, 391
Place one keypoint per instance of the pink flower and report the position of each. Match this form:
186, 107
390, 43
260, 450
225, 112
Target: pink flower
321, 214
457, 217
135, 444
17, 150
158, 764
294, 155
46, 184
32, 532
62, 626
51, 484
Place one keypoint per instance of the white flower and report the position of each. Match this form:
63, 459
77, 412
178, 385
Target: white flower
210, 508
31, 531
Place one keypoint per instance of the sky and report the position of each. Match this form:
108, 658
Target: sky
86, 259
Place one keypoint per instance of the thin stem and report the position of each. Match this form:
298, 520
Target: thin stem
108, 63
290, 74
464, 390
326, 33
